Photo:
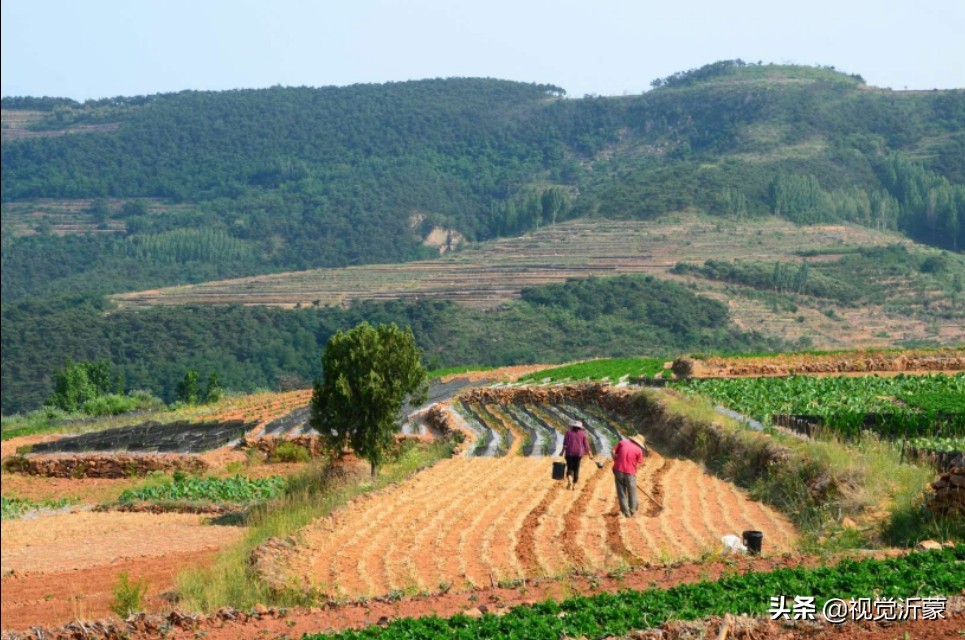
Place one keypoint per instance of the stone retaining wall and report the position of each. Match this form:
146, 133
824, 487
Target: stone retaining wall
102, 465
948, 498
269, 444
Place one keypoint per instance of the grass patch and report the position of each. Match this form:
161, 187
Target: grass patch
128, 595
607, 368
28, 424
290, 452
817, 483
230, 581
452, 371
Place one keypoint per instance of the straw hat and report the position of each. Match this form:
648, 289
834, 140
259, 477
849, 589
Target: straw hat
576, 424
639, 440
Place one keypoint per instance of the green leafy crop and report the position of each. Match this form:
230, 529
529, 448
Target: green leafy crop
236, 489
13, 508
917, 574
896, 406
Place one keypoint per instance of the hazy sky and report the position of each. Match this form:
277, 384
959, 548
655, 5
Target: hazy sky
100, 48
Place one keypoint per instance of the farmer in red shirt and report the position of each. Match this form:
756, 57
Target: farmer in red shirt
626, 456
576, 444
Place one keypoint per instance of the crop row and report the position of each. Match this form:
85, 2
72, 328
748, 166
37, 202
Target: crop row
924, 574
13, 508
534, 430
235, 489
847, 405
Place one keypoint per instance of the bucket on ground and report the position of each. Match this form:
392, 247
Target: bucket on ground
753, 541
559, 470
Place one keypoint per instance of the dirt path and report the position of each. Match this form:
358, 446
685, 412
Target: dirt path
64, 566
58, 597
9, 447
82, 540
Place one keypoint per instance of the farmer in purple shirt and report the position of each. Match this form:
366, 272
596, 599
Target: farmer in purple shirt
576, 444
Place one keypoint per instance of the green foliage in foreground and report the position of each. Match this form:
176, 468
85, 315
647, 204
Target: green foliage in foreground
609, 368
236, 489
917, 574
844, 402
13, 508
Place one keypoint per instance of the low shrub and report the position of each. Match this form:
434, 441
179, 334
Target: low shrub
128, 596
114, 404
290, 452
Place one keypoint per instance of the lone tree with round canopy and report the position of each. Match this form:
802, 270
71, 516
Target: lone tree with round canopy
368, 374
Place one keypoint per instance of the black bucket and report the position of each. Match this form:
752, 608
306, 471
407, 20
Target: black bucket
559, 470
753, 540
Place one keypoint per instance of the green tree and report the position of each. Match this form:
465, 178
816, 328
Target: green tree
553, 202
72, 387
133, 208
369, 373
212, 391
187, 390
99, 210
79, 382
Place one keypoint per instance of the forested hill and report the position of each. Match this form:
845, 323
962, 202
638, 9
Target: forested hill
130, 193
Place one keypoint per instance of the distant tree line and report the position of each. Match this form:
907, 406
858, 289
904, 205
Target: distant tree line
261, 347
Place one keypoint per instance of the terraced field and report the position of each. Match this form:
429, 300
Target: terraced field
72, 217
497, 271
470, 521
495, 515
17, 125
491, 273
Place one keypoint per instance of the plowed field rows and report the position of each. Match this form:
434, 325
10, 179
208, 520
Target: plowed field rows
473, 521
262, 408
533, 430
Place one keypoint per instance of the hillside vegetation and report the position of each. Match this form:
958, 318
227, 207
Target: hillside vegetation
289, 178
259, 347
137, 193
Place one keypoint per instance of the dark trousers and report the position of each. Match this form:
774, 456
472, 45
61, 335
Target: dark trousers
573, 467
